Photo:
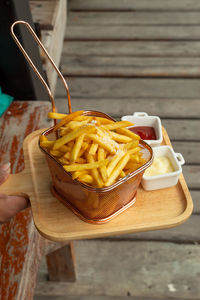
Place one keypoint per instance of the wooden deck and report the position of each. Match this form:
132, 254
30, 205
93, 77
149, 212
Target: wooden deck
120, 57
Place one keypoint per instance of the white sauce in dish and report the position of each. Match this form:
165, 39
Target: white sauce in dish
161, 165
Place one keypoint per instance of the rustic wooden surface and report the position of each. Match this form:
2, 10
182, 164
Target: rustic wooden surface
20, 244
51, 16
100, 37
61, 264
132, 268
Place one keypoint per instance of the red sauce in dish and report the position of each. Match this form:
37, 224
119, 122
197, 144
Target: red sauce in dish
145, 132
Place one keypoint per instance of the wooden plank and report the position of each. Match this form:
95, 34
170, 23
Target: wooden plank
192, 176
163, 33
43, 12
161, 5
189, 150
121, 88
185, 233
182, 130
108, 66
147, 269
170, 108
132, 48
31, 115
53, 246
133, 18
196, 200
61, 264
53, 41
92, 298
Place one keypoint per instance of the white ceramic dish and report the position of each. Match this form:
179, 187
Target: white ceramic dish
143, 119
156, 182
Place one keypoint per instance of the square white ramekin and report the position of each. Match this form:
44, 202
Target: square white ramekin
156, 182
143, 119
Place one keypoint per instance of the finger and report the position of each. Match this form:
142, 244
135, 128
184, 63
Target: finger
10, 206
15, 202
18, 202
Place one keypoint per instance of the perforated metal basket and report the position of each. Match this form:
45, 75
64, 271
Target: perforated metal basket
95, 205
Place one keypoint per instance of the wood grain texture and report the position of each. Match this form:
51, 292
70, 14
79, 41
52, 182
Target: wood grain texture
182, 129
190, 151
183, 234
92, 298
21, 246
161, 5
134, 18
108, 66
123, 88
53, 40
43, 13
192, 176
51, 16
174, 108
138, 33
61, 264
196, 196
138, 269
132, 48
130, 66
59, 224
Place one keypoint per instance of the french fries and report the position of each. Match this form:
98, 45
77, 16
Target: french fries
92, 165
54, 115
95, 150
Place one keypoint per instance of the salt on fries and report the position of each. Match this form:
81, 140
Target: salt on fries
95, 150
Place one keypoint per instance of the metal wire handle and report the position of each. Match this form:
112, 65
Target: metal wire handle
34, 67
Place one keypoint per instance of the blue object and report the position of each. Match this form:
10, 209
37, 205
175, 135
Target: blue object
5, 101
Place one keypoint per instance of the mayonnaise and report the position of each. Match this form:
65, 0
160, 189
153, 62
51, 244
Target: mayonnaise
160, 165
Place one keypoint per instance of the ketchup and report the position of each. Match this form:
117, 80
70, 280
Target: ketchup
145, 132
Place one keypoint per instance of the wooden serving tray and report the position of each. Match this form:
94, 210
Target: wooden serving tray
153, 210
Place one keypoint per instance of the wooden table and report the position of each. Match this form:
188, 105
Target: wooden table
21, 247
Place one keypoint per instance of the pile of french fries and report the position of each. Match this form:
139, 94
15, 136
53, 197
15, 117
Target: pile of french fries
95, 150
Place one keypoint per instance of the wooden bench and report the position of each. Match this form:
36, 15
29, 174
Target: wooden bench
51, 16
21, 247
120, 57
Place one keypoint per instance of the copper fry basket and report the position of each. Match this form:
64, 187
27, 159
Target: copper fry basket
93, 205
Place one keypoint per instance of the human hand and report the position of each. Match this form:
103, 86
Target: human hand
10, 205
